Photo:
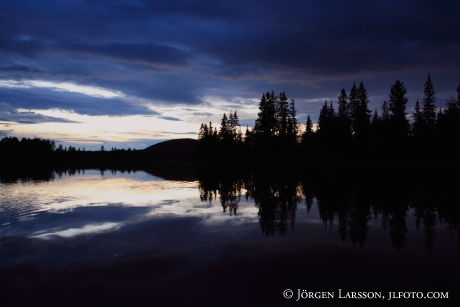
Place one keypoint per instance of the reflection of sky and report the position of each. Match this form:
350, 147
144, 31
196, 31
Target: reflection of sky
102, 218
93, 203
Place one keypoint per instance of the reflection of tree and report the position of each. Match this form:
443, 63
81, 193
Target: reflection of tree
343, 201
277, 202
228, 190
14, 175
352, 212
430, 227
427, 217
230, 194
350, 201
208, 189
396, 221
394, 207
448, 202
359, 218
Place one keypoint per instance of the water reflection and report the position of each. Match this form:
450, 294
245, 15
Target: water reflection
74, 203
86, 202
350, 205
136, 237
227, 190
69, 203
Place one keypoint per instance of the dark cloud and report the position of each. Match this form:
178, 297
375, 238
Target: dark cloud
143, 53
19, 68
202, 114
44, 98
9, 113
341, 38
309, 34
171, 118
22, 47
177, 52
166, 88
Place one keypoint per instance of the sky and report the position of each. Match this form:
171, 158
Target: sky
128, 73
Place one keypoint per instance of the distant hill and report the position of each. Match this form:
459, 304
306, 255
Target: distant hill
172, 149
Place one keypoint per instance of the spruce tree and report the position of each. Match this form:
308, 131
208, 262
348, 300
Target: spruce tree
361, 114
418, 119
282, 115
385, 111
343, 115
292, 123
265, 124
323, 118
326, 121
203, 133
234, 123
248, 137
309, 126
353, 107
429, 103
343, 111
224, 133
398, 101
397, 107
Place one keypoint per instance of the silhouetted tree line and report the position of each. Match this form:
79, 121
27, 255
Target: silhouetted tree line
28, 153
344, 134
12, 145
346, 203
349, 131
276, 125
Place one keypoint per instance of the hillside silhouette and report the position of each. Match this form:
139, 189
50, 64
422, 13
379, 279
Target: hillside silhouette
173, 149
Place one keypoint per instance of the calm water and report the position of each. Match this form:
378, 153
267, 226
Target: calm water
135, 237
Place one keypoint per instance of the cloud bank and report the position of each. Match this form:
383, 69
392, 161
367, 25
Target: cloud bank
180, 61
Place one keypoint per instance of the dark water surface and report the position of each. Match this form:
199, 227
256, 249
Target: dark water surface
134, 239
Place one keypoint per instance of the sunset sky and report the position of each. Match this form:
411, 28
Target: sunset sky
129, 73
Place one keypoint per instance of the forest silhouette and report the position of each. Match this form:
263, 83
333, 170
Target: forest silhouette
346, 136
356, 165
351, 132
393, 169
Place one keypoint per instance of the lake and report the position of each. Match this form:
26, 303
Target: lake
213, 238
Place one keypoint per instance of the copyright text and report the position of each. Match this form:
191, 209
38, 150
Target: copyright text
301, 294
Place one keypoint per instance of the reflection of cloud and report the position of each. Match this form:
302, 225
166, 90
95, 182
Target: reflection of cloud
72, 232
91, 203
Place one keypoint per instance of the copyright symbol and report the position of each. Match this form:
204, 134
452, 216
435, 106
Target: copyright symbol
288, 293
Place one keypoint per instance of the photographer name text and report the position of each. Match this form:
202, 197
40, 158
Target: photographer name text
301, 294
